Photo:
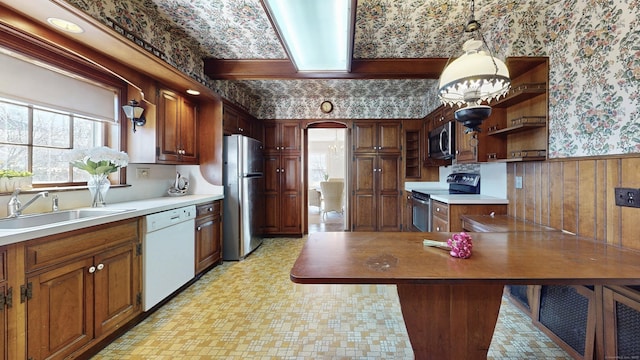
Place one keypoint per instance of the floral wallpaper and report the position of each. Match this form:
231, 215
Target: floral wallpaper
594, 78
592, 45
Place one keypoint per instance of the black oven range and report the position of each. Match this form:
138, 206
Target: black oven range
459, 183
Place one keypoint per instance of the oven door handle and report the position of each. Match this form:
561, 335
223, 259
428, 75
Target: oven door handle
424, 202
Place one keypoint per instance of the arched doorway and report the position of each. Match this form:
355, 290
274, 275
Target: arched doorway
326, 146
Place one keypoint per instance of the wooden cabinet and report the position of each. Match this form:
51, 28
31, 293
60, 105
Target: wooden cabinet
413, 149
80, 287
520, 119
376, 184
282, 137
236, 121
6, 302
408, 212
376, 193
439, 216
177, 129
208, 235
446, 217
282, 178
621, 321
377, 137
283, 196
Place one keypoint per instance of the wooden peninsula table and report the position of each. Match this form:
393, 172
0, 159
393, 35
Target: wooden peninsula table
450, 306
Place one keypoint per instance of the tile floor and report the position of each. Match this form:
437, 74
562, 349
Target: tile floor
251, 310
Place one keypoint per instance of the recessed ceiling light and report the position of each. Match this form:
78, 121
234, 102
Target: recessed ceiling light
193, 92
65, 25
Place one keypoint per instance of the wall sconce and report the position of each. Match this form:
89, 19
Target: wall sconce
134, 113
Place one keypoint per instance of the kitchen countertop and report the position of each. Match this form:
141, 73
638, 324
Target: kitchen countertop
468, 199
440, 193
133, 209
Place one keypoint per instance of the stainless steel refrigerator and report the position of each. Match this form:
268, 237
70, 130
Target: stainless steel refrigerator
243, 200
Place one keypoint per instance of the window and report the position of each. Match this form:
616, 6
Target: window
36, 139
50, 105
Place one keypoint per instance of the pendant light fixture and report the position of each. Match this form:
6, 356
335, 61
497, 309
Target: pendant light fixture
473, 78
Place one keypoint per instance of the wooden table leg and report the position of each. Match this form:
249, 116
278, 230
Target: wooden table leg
450, 321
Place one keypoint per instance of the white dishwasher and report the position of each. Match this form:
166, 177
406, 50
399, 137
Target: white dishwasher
168, 253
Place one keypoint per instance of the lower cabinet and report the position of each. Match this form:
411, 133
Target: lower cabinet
446, 217
6, 295
567, 314
208, 235
80, 287
621, 322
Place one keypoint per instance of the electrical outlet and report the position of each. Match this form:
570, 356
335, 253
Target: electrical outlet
518, 182
143, 173
627, 197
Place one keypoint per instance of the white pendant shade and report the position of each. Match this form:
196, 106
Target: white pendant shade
473, 77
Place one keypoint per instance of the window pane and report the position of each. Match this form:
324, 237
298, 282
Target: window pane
87, 133
49, 165
14, 157
51, 129
14, 123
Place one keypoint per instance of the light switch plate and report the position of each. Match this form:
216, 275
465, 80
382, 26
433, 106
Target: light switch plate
518, 182
143, 173
628, 197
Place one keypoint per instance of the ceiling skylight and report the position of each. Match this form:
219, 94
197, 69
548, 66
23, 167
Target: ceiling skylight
316, 32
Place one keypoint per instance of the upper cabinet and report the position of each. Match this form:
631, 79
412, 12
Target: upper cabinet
236, 121
282, 136
177, 129
377, 136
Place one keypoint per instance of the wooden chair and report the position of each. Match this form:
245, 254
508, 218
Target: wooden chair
332, 196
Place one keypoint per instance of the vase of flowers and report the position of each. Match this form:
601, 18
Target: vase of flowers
99, 162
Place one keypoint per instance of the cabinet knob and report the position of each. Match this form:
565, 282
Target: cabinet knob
210, 209
277, 170
281, 170
100, 267
92, 269
199, 228
241, 129
437, 228
438, 209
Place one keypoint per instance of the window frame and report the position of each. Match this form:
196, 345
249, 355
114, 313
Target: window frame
75, 64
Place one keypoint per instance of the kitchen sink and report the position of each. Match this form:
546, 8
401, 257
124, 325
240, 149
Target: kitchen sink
27, 221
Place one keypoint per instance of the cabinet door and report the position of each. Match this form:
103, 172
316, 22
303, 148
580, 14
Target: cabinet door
466, 145
364, 199
439, 224
168, 126
208, 247
365, 137
188, 142
389, 137
117, 286
290, 185
60, 311
229, 120
388, 190
290, 136
271, 138
244, 125
3, 325
177, 128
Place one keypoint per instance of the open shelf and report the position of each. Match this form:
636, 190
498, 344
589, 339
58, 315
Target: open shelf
519, 127
521, 93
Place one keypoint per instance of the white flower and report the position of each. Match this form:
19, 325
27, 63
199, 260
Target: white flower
99, 160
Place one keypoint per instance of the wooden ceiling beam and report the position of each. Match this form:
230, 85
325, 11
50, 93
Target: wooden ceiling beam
428, 68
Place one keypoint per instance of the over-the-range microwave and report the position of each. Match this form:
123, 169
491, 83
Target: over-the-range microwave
442, 141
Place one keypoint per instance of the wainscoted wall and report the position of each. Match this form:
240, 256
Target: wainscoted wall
578, 196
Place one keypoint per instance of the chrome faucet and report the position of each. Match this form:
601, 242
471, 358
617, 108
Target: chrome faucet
54, 203
15, 207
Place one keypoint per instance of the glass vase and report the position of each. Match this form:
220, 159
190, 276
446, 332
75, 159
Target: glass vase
98, 186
